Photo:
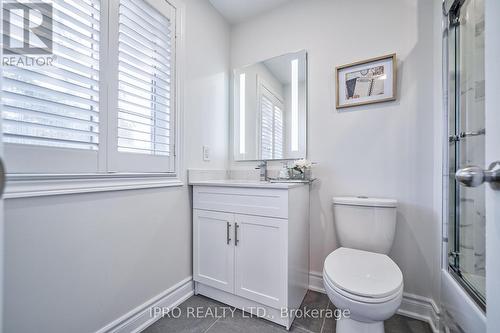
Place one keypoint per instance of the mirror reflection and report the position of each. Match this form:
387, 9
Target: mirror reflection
270, 109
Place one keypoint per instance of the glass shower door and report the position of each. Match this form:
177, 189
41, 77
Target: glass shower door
467, 130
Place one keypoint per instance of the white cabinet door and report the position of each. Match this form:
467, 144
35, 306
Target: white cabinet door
261, 259
213, 249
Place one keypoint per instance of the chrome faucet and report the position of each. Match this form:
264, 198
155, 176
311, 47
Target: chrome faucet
263, 171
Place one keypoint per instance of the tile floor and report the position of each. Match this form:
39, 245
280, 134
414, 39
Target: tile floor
216, 323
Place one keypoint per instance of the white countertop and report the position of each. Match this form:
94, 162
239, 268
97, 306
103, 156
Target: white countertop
246, 183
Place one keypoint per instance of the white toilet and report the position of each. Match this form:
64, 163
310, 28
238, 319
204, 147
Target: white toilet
359, 275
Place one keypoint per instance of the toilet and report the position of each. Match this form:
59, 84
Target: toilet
359, 276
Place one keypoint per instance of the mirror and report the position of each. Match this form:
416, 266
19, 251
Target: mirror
269, 112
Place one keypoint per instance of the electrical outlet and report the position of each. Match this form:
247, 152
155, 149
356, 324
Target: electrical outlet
206, 153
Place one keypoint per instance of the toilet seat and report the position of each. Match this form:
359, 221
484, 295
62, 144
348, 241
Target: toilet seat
360, 299
363, 276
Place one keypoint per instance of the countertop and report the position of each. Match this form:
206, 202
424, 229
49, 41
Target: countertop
246, 183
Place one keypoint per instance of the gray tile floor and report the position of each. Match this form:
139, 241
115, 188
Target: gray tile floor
212, 320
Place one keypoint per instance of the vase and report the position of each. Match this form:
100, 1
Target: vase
308, 174
295, 174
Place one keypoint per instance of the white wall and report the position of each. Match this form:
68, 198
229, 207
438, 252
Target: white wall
382, 150
75, 263
206, 93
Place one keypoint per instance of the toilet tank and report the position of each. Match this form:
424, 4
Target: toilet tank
365, 223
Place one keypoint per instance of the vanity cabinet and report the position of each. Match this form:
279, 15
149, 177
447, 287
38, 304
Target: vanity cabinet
213, 249
260, 269
251, 247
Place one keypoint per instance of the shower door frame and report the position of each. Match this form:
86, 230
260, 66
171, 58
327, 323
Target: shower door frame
451, 11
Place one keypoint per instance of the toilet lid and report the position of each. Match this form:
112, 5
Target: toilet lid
363, 273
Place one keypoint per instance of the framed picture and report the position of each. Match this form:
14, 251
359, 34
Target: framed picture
366, 82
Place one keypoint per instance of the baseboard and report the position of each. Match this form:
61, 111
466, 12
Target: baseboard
139, 318
413, 306
421, 308
316, 282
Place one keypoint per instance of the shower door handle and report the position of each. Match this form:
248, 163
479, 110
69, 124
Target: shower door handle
473, 176
2, 178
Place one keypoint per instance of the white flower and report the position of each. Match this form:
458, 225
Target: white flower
302, 164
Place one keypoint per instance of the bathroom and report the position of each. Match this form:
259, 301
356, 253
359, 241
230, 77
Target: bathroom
139, 169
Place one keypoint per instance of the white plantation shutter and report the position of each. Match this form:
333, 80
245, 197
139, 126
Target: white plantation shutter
107, 103
271, 136
266, 137
145, 81
51, 113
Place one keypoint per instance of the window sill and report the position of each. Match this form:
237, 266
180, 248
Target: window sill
25, 186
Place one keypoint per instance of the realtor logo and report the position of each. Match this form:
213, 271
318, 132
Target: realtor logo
27, 28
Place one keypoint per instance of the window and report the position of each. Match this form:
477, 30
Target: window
271, 138
106, 104
144, 102
48, 111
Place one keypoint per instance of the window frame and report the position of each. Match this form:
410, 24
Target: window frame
105, 177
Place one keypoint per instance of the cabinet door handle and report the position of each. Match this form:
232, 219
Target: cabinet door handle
228, 239
236, 240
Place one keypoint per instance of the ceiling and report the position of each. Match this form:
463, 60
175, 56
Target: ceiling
237, 11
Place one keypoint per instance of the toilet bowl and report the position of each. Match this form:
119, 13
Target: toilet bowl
369, 285
359, 276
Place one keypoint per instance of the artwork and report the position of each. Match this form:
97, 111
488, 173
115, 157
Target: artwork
366, 82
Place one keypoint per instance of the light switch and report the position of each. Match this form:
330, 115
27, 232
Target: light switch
206, 153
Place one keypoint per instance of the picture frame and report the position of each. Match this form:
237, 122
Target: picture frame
366, 82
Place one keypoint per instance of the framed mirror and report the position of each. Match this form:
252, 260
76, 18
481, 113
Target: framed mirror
270, 109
